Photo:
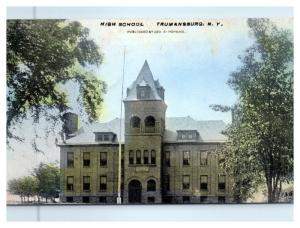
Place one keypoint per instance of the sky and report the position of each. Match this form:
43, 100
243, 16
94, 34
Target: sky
193, 67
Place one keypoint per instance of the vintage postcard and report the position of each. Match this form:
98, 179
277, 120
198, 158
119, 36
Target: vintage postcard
150, 111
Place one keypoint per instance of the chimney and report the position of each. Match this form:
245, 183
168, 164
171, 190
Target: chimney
70, 124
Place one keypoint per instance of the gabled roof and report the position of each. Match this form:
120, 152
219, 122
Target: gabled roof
144, 78
209, 131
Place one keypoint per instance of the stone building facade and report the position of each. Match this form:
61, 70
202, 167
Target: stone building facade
164, 160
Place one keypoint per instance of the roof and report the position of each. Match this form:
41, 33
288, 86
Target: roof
209, 131
144, 78
86, 135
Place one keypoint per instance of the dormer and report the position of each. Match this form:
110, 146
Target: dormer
143, 90
105, 137
187, 135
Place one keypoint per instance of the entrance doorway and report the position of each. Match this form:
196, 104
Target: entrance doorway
135, 191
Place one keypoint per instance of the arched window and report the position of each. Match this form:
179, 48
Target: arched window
135, 122
150, 121
151, 186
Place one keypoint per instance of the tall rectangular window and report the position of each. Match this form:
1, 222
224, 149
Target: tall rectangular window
146, 157
167, 157
138, 157
86, 159
203, 182
70, 159
167, 182
185, 182
186, 158
70, 183
103, 183
153, 157
222, 182
131, 157
103, 158
86, 183
203, 158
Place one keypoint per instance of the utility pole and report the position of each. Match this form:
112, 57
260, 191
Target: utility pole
119, 199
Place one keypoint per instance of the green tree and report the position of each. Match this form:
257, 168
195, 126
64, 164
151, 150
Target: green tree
49, 181
43, 55
260, 139
24, 187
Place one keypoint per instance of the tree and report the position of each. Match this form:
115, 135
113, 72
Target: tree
24, 187
49, 181
42, 55
260, 139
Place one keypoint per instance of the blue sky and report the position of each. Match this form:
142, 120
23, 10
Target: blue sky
193, 67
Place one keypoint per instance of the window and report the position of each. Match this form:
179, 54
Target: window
183, 136
131, 157
102, 199
167, 182
106, 137
86, 159
85, 199
190, 136
186, 199
203, 182
69, 199
221, 199
186, 158
143, 92
151, 199
86, 183
138, 157
167, 157
150, 121
103, 183
186, 182
70, 159
203, 158
146, 157
99, 137
203, 199
70, 183
151, 186
222, 182
103, 158
153, 157
135, 122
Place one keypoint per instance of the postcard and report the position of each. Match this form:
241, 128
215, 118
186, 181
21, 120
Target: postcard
150, 111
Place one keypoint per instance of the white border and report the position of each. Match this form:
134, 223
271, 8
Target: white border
153, 3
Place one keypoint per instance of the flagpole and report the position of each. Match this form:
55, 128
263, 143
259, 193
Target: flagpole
119, 199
